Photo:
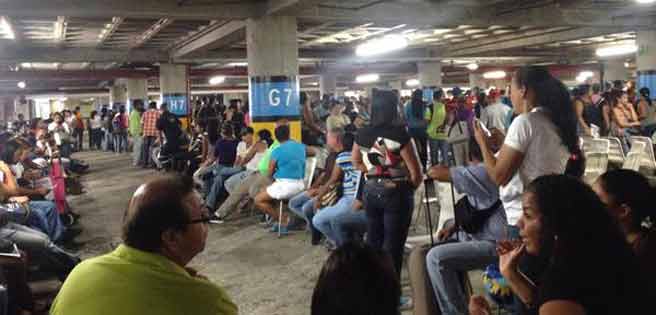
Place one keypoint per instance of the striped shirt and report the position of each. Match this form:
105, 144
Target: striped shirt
350, 177
149, 122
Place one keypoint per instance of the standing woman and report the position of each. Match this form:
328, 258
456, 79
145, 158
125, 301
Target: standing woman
415, 117
95, 127
539, 141
393, 173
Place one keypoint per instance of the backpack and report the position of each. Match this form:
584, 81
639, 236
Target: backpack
117, 124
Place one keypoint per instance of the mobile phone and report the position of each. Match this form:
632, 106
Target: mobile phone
482, 125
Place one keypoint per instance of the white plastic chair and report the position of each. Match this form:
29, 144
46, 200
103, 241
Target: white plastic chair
310, 168
633, 159
647, 161
615, 151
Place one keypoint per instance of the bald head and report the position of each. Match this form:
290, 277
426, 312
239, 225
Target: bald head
155, 207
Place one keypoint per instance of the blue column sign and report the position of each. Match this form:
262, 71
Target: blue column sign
427, 95
273, 98
178, 103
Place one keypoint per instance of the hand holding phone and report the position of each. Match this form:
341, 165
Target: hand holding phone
482, 125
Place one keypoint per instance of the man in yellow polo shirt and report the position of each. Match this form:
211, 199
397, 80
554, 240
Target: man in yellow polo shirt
164, 228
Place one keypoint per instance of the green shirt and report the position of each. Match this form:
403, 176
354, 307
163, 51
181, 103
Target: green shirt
263, 166
134, 126
128, 281
437, 120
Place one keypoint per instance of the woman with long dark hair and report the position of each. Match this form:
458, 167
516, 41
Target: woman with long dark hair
539, 141
393, 173
415, 117
628, 196
590, 270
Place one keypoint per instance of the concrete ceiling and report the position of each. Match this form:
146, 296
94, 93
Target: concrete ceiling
95, 35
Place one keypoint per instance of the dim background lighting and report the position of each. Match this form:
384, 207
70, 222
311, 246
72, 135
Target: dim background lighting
494, 75
617, 50
367, 78
381, 45
217, 80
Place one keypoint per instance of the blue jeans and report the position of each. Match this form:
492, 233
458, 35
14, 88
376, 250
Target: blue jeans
389, 213
221, 173
349, 225
446, 264
302, 205
324, 219
45, 218
439, 151
121, 142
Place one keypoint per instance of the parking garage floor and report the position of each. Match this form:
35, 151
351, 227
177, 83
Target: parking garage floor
263, 274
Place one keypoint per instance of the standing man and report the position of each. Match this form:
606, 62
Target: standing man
170, 126
437, 138
150, 133
495, 114
78, 127
120, 124
135, 131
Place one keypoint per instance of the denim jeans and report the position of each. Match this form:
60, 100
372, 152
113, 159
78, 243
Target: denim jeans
221, 173
137, 152
323, 220
447, 263
439, 151
389, 213
148, 143
45, 218
120, 142
349, 225
302, 205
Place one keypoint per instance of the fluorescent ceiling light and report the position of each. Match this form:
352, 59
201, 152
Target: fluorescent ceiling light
314, 83
626, 65
381, 45
494, 75
22, 85
472, 66
217, 80
351, 94
412, 82
367, 78
617, 50
584, 76
237, 64
6, 28
645, 1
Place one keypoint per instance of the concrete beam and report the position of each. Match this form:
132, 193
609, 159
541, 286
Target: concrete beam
206, 10
518, 41
16, 54
449, 14
213, 37
151, 32
287, 7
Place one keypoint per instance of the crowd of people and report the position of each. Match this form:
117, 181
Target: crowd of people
559, 245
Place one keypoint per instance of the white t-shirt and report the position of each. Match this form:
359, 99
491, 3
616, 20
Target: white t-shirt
536, 137
494, 116
242, 149
252, 164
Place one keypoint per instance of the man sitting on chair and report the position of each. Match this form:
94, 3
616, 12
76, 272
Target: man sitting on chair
287, 167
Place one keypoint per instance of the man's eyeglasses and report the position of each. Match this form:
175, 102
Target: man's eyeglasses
203, 219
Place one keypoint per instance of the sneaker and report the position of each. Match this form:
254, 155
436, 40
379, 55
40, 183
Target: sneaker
214, 219
405, 303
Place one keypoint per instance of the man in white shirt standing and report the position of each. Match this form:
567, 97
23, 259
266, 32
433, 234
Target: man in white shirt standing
495, 114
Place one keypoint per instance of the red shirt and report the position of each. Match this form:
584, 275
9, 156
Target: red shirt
149, 122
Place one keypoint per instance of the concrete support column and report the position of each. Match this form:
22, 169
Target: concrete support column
614, 70
137, 90
396, 85
273, 72
646, 60
476, 79
430, 73
118, 94
328, 84
174, 88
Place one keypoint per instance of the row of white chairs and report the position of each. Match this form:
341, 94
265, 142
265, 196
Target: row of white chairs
602, 152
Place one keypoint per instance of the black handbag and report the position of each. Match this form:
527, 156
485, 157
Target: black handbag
469, 218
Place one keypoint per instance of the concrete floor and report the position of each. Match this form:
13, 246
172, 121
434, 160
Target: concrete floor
263, 274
